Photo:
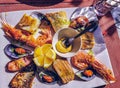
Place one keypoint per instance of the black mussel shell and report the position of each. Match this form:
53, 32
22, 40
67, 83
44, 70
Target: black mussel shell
52, 74
30, 68
10, 52
40, 16
83, 77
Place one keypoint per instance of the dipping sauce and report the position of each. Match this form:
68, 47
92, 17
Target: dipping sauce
61, 47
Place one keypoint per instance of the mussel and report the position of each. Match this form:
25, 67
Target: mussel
18, 64
15, 52
40, 16
49, 77
86, 75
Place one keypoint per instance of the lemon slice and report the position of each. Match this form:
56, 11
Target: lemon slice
61, 48
45, 48
39, 61
47, 62
38, 51
51, 54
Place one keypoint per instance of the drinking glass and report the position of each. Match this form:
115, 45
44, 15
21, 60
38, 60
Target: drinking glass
101, 7
118, 28
116, 15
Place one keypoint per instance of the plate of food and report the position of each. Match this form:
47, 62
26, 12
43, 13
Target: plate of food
37, 51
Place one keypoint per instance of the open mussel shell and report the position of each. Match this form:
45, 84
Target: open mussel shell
83, 77
10, 52
52, 77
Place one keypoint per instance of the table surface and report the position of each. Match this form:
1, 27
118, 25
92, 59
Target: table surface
106, 23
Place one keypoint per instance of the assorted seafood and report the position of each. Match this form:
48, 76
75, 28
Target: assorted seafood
90, 60
88, 40
36, 31
41, 36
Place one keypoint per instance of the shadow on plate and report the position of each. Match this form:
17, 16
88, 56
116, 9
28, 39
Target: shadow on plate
40, 2
103, 86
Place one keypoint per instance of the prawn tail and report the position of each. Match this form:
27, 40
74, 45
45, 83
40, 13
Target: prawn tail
10, 31
103, 71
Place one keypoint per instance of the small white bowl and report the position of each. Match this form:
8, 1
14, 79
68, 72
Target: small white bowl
66, 32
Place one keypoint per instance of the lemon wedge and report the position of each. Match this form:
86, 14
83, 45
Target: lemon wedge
47, 62
51, 54
61, 48
39, 61
38, 51
45, 48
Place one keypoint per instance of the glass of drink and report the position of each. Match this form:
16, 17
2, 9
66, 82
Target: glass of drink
116, 16
101, 7
118, 28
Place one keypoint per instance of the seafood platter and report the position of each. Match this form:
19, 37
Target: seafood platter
53, 48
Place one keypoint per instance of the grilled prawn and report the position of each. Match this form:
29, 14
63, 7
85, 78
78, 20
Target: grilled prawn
30, 39
83, 60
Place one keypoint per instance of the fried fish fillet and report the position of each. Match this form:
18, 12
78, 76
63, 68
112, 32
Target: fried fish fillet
28, 23
64, 70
